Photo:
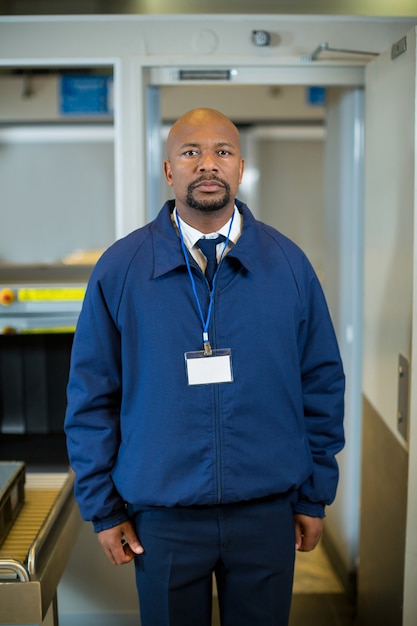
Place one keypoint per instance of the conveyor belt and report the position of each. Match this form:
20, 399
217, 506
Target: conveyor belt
40, 495
34, 553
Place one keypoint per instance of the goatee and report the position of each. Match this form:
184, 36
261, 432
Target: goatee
209, 205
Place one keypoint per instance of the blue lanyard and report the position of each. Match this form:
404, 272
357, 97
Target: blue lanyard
206, 322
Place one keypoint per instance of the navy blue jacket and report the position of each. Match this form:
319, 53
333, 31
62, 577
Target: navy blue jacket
138, 433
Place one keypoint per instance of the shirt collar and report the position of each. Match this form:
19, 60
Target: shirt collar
192, 235
167, 248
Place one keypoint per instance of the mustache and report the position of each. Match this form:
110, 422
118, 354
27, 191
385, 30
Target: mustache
207, 177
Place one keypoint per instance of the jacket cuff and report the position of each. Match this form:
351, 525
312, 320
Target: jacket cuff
109, 522
309, 508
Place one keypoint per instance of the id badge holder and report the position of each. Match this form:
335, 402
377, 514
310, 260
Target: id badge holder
203, 369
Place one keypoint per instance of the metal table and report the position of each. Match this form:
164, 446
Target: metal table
36, 550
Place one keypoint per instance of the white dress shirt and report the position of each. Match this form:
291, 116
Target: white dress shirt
192, 235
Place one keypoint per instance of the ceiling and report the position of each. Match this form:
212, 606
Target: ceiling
400, 8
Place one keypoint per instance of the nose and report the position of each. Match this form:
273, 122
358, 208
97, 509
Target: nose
207, 163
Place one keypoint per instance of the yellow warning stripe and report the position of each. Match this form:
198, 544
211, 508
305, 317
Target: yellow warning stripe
51, 294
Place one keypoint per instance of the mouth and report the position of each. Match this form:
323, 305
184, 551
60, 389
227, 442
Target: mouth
208, 185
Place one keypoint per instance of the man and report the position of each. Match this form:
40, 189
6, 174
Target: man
205, 412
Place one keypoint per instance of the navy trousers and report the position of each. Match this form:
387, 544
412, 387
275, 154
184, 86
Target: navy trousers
250, 548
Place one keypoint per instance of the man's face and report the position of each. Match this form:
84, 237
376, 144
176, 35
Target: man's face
204, 166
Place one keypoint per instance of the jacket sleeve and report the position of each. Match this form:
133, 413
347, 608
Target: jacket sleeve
323, 385
93, 410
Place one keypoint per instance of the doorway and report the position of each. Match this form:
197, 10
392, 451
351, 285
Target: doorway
304, 177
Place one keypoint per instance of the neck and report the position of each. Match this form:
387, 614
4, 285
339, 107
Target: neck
209, 222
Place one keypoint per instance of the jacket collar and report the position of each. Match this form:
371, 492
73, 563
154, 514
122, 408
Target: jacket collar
168, 253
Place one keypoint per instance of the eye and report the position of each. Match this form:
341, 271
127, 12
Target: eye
190, 152
224, 152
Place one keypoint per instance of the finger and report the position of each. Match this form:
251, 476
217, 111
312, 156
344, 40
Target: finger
122, 554
133, 542
298, 537
305, 546
116, 553
310, 542
110, 555
129, 554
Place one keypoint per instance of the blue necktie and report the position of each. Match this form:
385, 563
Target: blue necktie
208, 248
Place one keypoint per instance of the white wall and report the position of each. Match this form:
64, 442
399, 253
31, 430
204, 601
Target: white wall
390, 266
389, 240
291, 192
57, 192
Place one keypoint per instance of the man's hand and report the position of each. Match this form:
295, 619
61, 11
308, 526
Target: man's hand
120, 543
308, 531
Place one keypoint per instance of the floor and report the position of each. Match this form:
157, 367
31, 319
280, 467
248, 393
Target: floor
319, 598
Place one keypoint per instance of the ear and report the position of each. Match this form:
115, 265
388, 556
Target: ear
168, 173
241, 169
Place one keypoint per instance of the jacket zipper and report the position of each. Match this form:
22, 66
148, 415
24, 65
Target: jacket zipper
217, 425
218, 445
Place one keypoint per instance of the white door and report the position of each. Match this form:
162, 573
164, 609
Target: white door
388, 546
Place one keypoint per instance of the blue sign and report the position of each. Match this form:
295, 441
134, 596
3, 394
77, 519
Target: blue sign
86, 95
316, 96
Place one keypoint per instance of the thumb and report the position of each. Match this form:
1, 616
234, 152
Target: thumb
131, 540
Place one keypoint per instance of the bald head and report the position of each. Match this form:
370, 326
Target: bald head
197, 118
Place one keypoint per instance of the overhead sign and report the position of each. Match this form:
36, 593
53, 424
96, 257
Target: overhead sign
86, 95
316, 96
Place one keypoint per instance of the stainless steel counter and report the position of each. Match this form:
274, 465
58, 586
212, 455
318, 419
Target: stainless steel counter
36, 550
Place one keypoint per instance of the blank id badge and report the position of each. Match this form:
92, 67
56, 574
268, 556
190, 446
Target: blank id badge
203, 369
